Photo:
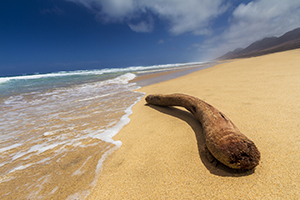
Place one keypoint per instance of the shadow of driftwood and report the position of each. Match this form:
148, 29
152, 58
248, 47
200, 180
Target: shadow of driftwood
214, 166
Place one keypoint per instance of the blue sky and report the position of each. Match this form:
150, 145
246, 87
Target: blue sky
56, 35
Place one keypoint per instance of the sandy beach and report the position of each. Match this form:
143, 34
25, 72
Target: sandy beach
162, 152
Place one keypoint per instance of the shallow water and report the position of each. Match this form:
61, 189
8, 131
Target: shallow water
53, 142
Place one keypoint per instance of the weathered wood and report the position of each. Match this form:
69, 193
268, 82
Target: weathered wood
223, 139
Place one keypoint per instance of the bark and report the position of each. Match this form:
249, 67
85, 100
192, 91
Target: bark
223, 139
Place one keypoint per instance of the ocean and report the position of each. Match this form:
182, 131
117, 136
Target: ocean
56, 129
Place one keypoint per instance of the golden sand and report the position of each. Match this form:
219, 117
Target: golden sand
161, 156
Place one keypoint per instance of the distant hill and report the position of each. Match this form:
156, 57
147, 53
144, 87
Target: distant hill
288, 41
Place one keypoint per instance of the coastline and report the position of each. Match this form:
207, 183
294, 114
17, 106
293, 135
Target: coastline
156, 77
162, 158
78, 130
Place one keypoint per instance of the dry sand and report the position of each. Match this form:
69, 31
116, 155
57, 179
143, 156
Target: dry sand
161, 156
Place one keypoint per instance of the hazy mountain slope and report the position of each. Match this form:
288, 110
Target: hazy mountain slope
288, 41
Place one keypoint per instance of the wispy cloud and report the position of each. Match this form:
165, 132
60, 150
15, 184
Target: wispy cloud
254, 21
55, 10
191, 16
245, 23
161, 41
142, 26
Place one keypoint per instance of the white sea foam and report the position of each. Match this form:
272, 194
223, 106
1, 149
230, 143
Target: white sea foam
95, 97
83, 194
123, 79
3, 80
109, 133
100, 163
5, 178
38, 148
48, 125
142, 68
18, 155
49, 75
49, 133
9, 147
95, 72
54, 132
78, 171
20, 167
54, 190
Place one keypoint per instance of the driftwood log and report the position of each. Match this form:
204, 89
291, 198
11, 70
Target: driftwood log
223, 139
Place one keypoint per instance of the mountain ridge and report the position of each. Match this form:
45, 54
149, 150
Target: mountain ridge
288, 41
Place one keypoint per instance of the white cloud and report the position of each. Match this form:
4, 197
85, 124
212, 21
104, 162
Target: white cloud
187, 16
115, 10
86, 3
141, 26
161, 41
55, 10
256, 20
191, 16
109, 10
247, 22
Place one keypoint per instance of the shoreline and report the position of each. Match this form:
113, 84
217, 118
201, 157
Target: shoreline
146, 79
162, 157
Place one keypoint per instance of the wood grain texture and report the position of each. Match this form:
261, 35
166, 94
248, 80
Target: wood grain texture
223, 139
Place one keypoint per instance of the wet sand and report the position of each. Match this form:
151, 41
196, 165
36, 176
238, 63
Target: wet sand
162, 154
156, 77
